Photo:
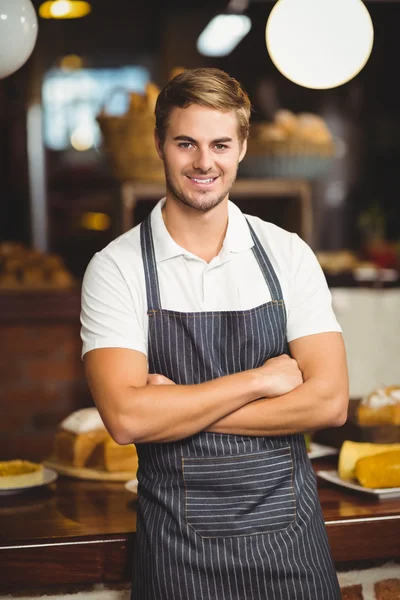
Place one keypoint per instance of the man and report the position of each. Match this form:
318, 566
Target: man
210, 342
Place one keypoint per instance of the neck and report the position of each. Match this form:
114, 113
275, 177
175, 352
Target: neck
201, 233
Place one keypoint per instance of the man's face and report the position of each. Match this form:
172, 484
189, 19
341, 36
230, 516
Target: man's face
201, 154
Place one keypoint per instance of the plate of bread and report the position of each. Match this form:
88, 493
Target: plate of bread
369, 468
84, 449
18, 476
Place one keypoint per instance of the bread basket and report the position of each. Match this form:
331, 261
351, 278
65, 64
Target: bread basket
129, 140
293, 147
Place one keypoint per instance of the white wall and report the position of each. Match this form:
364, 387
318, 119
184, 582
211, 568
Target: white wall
370, 319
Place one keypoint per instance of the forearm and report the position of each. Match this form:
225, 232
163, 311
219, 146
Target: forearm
309, 406
166, 413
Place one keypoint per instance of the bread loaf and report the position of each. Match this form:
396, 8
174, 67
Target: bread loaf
83, 441
380, 470
351, 452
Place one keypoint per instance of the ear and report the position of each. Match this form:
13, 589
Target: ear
243, 150
158, 144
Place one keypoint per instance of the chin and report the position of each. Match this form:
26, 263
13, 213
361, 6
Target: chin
205, 202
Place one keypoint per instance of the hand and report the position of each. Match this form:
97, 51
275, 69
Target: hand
278, 376
156, 379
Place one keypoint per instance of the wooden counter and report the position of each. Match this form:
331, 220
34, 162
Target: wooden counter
75, 532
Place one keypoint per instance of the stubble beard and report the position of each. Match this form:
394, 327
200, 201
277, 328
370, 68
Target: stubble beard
205, 203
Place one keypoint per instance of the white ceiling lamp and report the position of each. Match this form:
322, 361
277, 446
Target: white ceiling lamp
18, 33
319, 44
224, 32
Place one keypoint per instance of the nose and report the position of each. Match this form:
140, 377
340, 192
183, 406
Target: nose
203, 161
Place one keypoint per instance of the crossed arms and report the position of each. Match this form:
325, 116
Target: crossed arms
285, 395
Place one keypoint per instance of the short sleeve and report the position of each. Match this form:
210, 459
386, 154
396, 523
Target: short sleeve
310, 306
110, 318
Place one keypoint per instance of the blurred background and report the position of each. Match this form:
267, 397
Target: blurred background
63, 198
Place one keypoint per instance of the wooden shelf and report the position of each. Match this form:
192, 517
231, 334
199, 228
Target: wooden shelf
262, 189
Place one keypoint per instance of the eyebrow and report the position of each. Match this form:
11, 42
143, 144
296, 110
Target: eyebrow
186, 138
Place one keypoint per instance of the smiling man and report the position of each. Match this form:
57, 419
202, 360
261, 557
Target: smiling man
209, 341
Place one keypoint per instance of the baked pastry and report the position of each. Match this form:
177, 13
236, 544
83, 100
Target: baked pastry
27, 268
381, 407
379, 471
286, 120
340, 261
77, 437
110, 456
304, 134
83, 441
351, 452
20, 473
313, 128
9, 281
61, 278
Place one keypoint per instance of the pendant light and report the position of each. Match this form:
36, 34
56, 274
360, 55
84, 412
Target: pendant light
225, 31
319, 44
18, 33
64, 9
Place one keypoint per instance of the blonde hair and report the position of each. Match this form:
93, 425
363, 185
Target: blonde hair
207, 87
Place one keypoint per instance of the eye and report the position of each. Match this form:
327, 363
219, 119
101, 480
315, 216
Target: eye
220, 147
185, 145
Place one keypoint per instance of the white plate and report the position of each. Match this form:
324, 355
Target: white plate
333, 477
49, 475
318, 451
132, 485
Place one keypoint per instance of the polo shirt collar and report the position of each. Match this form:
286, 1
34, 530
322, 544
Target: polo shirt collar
237, 239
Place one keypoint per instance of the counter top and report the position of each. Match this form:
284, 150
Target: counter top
76, 531
40, 306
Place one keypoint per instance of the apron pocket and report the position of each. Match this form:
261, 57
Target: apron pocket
247, 494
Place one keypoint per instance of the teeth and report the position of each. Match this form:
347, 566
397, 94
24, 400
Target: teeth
203, 180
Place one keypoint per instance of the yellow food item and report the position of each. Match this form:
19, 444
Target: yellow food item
351, 452
339, 261
379, 471
26, 268
110, 456
380, 407
83, 441
286, 120
75, 448
20, 473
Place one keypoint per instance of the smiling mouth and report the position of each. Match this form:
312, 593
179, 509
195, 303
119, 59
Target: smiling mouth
202, 180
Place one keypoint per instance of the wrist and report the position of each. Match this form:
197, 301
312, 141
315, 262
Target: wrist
256, 384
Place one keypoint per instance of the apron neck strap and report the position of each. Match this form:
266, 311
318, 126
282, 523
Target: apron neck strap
150, 265
266, 266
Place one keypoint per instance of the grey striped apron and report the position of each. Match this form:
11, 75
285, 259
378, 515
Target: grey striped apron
225, 517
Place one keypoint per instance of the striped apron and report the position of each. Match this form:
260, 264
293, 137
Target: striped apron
225, 517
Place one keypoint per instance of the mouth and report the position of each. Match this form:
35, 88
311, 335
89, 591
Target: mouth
202, 182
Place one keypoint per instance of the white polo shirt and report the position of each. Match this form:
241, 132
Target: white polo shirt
114, 301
